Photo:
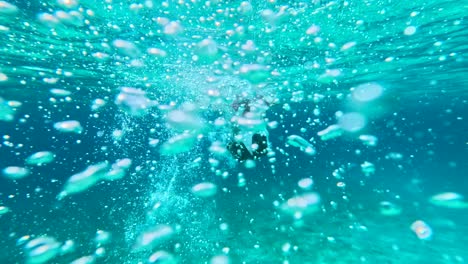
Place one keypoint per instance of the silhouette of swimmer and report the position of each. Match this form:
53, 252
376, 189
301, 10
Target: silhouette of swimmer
249, 132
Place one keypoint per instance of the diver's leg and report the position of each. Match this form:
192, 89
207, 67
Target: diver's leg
239, 151
262, 144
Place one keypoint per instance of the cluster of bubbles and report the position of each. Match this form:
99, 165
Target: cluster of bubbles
93, 174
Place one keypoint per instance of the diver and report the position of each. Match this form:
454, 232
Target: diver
249, 130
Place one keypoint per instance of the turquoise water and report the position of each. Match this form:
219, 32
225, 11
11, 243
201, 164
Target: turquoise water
365, 104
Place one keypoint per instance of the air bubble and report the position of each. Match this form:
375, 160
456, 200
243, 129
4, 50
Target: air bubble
367, 168
369, 140
40, 158
133, 101
332, 131
4, 210
60, 92
184, 120
389, 209
15, 173
302, 204
68, 3
7, 113
41, 250
301, 143
153, 237
162, 257
367, 92
84, 180
305, 184
178, 144
126, 48
3, 77
254, 73
352, 122
69, 126
7, 8
409, 31
449, 200
422, 230
102, 237
204, 189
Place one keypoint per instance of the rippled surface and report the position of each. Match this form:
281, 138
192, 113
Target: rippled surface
116, 119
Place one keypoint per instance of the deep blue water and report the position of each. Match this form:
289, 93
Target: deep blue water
432, 142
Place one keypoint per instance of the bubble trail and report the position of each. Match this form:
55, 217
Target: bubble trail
84, 180
93, 174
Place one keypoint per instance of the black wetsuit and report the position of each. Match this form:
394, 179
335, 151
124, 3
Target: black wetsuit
238, 149
240, 152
